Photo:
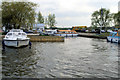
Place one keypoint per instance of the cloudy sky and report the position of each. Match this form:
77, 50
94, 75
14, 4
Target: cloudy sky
74, 12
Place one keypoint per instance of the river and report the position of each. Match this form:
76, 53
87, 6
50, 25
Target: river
76, 57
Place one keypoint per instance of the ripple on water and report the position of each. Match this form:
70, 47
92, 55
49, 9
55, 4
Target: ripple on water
75, 58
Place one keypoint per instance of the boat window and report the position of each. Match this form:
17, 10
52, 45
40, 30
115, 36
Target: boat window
49, 31
114, 34
9, 34
16, 31
19, 33
60, 32
63, 32
14, 34
23, 33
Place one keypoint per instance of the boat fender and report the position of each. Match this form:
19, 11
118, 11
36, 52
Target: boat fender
118, 41
3, 45
17, 42
111, 40
30, 45
107, 40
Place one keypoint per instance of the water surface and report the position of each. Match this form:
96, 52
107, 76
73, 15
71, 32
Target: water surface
75, 58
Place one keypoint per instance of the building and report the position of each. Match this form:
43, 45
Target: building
118, 6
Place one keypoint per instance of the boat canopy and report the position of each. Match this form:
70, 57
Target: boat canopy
66, 31
16, 33
113, 32
16, 30
117, 33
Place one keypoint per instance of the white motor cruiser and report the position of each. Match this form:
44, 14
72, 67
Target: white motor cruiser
16, 38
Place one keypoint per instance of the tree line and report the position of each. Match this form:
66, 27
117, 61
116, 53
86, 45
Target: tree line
50, 20
22, 15
103, 18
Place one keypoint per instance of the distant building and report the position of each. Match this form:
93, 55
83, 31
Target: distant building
118, 6
39, 26
79, 28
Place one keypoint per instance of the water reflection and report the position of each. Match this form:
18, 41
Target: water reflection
76, 57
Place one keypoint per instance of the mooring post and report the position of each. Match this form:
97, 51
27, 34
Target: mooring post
3, 45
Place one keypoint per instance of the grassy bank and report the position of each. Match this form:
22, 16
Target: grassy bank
37, 38
94, 35
102, 35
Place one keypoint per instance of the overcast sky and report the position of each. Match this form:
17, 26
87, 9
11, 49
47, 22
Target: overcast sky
74, 12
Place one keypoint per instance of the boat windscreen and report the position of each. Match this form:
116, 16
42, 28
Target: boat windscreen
23, 34
114, 34
19, 33
9, 34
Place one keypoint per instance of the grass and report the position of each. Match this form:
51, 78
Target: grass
103, 34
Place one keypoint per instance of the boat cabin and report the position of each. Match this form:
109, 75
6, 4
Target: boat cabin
66, 31
15, 33
114, 37
50, 32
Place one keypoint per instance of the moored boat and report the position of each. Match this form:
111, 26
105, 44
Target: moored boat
50, 32
66, 33
114, 37
16, 38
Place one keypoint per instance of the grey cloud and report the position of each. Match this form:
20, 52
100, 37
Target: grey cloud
101, 3
54, 7
72, 14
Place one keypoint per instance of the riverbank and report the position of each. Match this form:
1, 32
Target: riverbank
94, 35
37, 38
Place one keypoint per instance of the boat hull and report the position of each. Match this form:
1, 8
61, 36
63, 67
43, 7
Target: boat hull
66, 35
113, 39
16, 43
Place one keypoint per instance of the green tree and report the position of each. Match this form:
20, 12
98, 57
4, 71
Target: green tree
0, 18
116, 18
101, 17
40, 18
46, 22
18, 14
51, 20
